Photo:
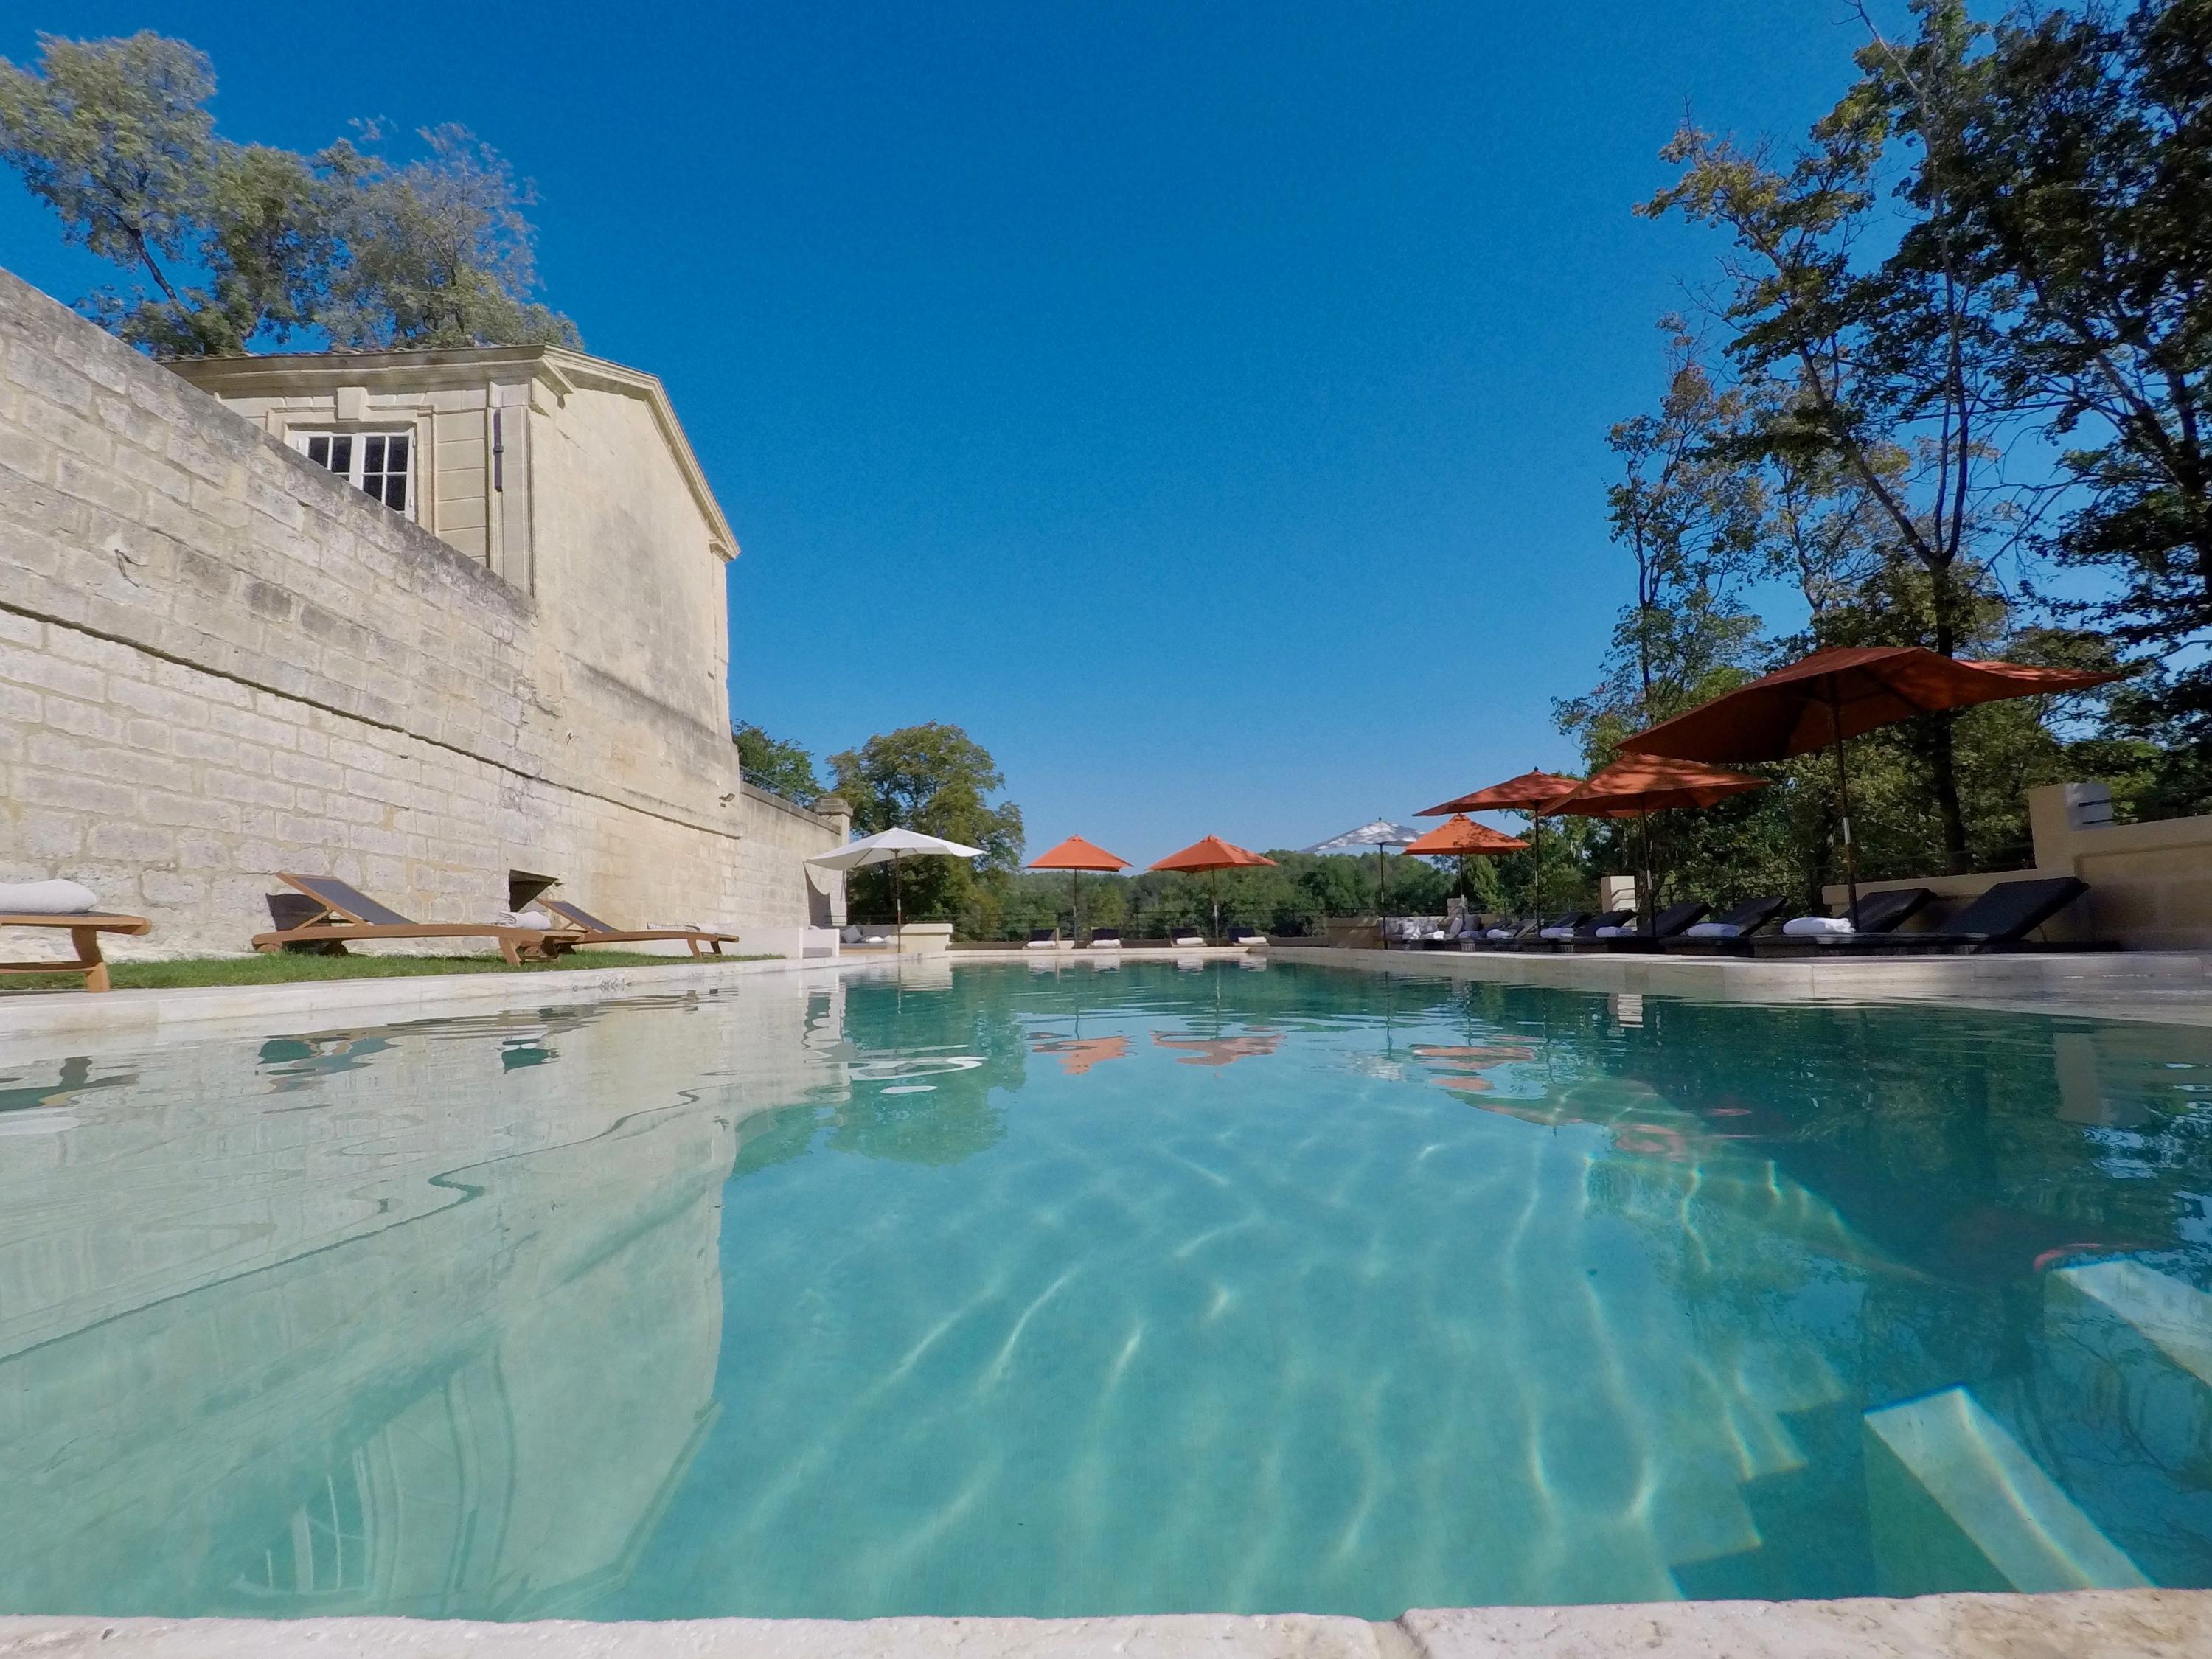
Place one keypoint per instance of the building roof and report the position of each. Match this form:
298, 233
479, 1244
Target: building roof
561, 370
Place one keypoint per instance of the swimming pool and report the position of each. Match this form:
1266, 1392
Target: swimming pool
1064, 1291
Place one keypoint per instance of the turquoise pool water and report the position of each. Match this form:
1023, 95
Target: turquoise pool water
998, 1291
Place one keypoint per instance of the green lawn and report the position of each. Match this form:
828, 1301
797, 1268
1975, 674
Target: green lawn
289, 967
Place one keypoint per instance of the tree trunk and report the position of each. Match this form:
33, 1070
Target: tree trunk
1942, 755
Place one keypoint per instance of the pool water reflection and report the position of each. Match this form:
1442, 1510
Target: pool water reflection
1061, 1291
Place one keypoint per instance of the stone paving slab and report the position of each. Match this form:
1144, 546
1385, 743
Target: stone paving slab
2079, 1624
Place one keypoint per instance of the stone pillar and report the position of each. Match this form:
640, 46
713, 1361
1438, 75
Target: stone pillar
839, 812
2056, 811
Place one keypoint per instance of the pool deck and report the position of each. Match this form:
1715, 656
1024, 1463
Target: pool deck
2078, 1625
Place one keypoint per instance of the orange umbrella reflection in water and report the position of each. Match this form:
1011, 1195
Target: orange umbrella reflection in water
1220, 1051
1076, 1055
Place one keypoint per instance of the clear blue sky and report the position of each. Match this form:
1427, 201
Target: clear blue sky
1204, 404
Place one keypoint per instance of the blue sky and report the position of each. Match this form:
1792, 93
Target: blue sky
1203, 405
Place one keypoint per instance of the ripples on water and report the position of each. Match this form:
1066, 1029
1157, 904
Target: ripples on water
1077, 1292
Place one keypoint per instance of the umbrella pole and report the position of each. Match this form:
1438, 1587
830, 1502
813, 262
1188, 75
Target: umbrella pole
1075, 906
1650, 881
1843, 797
1536, 854
1382, 894
1213, 884
898, 904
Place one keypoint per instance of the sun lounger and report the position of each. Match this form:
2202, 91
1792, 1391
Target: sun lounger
1522, 935
1246, 936
1876, 913
585, 928
1042, 939
1561, 938
2000, 918
1726, 933
1104, 939
1667, 925
1186, 939
343, 914
85, 927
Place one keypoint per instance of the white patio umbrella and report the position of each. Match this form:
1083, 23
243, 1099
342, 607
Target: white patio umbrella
889, 847
1381, 835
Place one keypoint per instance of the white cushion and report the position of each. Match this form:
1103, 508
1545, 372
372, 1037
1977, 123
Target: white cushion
1499, 933
1713, 930
1557, 933
537, 919
47, 898
1041, 944
1104, 944
1612, 932
1186, 938
1815, 927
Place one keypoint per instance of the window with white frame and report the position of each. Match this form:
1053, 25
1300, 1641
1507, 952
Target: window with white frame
379, 462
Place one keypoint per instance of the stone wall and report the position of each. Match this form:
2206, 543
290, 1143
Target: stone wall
217, 661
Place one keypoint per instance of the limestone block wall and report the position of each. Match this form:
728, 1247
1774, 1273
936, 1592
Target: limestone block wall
218, 661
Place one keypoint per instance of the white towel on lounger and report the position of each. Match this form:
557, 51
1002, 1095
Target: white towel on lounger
1713, 930
1816, 927
1557, 933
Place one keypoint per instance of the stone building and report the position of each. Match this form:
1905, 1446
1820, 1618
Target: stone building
426, 621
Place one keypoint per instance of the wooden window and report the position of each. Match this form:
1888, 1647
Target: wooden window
380, 464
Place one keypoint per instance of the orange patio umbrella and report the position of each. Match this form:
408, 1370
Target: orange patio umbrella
1637, 785
1819, 701
1530, 793
1210, 856
1460, 837
1075, 856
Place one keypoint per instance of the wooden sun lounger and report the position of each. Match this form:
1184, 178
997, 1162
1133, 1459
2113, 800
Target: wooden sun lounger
595, 932
346, 914
85, 927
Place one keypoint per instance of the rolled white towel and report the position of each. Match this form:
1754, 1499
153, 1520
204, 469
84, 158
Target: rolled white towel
1499, 933
1041, 944
1614, 932
537, 919
1556, 932
1713, 930
1816, 927
47, 898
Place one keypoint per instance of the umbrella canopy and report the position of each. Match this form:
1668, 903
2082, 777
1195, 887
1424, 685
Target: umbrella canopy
1834, 695
1212, 854
889, 845
1637, 784
1460, 836
1381, 833
1529, 792
1077, 853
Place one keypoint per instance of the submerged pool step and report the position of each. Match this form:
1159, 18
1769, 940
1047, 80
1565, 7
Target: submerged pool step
1957, 1502
2175, 1318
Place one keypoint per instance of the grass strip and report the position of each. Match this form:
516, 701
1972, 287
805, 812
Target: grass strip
291, 968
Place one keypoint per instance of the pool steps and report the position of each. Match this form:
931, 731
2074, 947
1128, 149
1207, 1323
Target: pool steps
2176, 1318
2013, 1515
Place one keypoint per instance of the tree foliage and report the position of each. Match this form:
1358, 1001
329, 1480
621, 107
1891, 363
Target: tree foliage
230, 245
936, 779
776, 764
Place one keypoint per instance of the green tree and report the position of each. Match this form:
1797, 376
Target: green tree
936, 779
1885, 370
235, 245
2066, 160
775, 764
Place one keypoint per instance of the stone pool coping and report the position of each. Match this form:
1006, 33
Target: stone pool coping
33, 1024
2166, 987
2076, 1624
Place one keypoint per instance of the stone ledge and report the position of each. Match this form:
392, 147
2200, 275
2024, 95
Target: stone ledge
2077, 1625
42, 1023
